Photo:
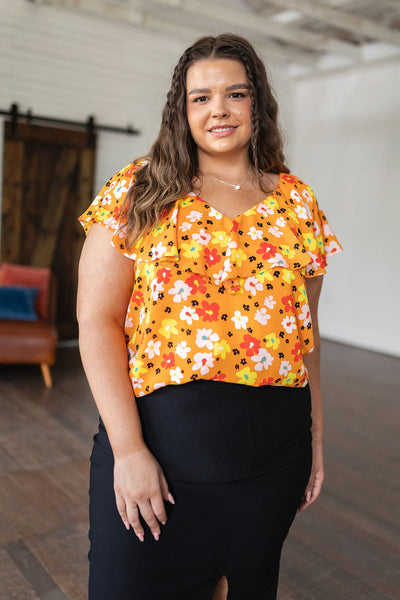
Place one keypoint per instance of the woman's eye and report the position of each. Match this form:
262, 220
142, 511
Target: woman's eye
237, 95
200, 99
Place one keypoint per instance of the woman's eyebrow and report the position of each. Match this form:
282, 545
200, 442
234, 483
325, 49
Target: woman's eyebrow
229, 88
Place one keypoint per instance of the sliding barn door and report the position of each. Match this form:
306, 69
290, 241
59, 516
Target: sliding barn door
47, 182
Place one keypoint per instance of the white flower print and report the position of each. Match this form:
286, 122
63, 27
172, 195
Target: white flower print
158, 251
181, 291
289, 324
137, 383
205, 338
185, 226
305, 315
285, 368
278, 261
261, 316
307, 196
120, 189
332, 247
107, 198
194, 216
239, 320
176, 375
280, 222
231, 246
111, 223
275, 231
142, 314
227, 265
157, 287
188, 314
220, 276
213, 213
294, 194
182, 349
173, 217
203, 361
327, 230
301, 212
152, 349
316, 228
159, 385
269, 302
255, 234
252, 285
128, 322
265, 210
263, 359
202, 237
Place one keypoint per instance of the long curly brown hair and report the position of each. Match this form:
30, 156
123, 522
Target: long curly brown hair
172, 164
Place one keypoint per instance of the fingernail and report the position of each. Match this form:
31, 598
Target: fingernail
140, 536
170, 498
308, 496
163, 522
156, 536
126, 525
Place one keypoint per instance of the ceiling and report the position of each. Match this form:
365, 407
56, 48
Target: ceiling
309, 36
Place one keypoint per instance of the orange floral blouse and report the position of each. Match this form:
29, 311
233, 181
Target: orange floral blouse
220, 298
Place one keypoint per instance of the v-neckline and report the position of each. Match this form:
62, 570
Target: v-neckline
242, 214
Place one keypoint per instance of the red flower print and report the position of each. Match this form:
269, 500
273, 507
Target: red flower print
297, 352
267, 381
267, 250
169, 360
212, 256
288, 303
235, 226
251, 344
137, 298
289, 178
208, 312
129, 172
164, 275
219, 377
197, 283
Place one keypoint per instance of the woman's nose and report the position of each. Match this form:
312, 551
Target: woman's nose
219, 108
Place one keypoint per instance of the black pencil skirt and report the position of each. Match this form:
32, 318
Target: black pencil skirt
237, 460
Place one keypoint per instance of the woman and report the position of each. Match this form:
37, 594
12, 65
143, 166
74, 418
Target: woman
197, 305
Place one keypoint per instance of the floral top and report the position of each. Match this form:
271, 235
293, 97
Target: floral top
220, 298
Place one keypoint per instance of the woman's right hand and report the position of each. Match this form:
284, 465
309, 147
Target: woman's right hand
140, 486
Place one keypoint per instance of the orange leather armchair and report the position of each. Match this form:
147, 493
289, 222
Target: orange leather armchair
32, 342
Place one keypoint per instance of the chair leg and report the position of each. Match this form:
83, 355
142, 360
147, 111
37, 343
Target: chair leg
46, 375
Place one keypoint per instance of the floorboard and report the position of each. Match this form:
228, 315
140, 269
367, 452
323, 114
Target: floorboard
346, 546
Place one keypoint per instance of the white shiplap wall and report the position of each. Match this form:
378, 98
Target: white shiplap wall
62, 63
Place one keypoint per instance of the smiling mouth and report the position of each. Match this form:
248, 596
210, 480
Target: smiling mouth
222, 129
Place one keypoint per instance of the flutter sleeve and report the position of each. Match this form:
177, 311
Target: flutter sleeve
318, 237
107, 207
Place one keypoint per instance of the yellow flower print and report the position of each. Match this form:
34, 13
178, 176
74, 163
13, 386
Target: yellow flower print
138, 368
149, 271
289, 379
246, 376
158, 229
309, 241
272, 341
238, 256
272, 203
221, 348
186, 201
302, 293
287, 251
293, 216
102, 215
168, 328
264, 276
320, 242
191, 250
287, 275
221, 238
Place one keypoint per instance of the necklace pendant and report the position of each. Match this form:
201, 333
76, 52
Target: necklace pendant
237, 187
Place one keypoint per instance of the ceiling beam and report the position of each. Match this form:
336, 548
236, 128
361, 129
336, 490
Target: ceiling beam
342, 19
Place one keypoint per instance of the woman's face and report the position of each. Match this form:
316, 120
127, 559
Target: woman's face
218, 106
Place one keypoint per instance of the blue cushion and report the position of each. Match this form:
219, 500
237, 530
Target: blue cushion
18, 303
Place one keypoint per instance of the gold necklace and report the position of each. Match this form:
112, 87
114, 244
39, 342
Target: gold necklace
236, 187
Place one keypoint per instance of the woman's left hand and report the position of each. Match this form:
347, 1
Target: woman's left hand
316, 478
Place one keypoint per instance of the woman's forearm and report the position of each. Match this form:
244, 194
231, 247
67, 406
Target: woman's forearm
312, 363
104, 358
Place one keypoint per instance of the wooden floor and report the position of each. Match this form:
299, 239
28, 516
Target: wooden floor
345, 547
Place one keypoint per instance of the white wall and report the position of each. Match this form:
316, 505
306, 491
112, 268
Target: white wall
346, 144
